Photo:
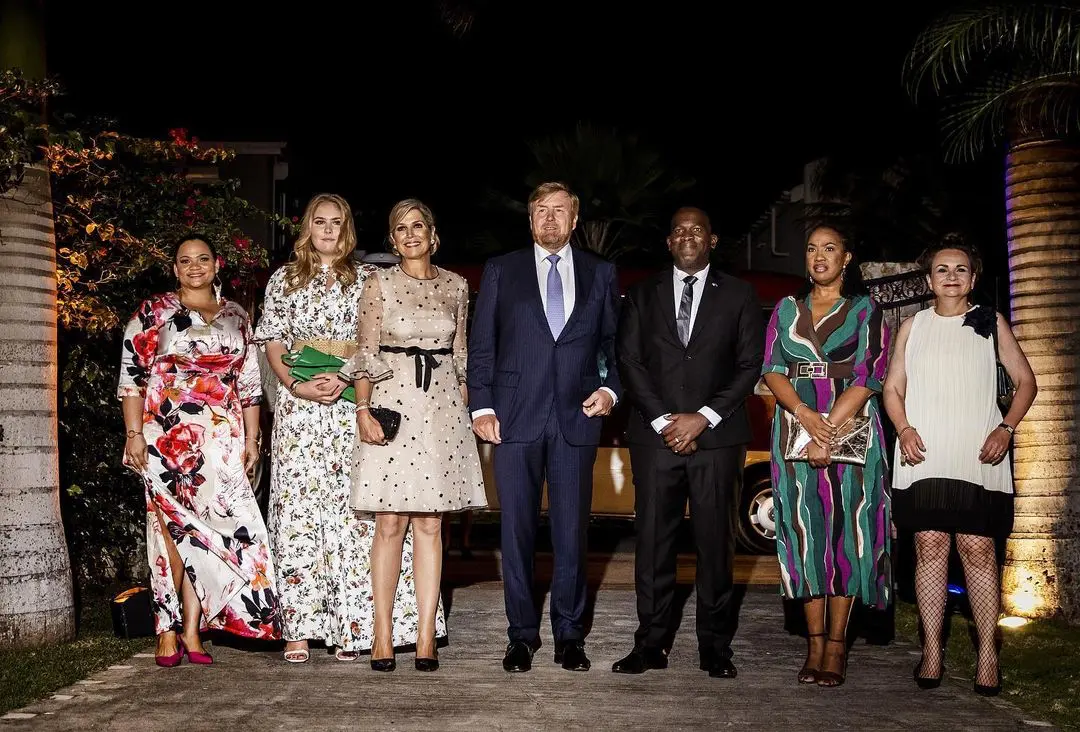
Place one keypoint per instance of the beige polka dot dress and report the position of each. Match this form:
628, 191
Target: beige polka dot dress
412, 345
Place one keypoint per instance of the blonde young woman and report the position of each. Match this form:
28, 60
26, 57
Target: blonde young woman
411, 358
321, 548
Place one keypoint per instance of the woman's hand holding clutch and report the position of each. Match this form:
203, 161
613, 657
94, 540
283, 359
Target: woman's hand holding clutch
371, 432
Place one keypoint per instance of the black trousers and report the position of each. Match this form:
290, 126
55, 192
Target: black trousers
663, 482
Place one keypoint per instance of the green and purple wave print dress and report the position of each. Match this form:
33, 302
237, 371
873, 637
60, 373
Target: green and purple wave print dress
833, 526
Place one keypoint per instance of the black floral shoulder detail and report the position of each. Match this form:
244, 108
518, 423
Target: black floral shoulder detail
982, 320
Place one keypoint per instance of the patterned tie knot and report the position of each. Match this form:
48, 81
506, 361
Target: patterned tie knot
690, 280
554, 259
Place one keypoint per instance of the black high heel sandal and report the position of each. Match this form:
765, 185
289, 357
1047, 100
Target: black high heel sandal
807, 674
929, 682
832, 679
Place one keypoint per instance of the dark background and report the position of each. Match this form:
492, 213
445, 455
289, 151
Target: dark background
385, 101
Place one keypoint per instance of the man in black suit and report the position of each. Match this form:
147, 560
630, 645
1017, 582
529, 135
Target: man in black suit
689, 349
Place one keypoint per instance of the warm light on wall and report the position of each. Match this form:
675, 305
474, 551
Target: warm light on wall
1024, 601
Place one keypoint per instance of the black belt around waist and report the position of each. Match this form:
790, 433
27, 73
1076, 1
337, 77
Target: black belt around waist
819, 370
425, 360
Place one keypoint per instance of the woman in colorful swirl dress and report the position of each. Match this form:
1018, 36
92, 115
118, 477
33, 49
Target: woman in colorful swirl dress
321, 548
189, 383
825, 360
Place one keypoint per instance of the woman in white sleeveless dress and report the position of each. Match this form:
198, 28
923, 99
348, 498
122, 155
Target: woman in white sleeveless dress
953, 475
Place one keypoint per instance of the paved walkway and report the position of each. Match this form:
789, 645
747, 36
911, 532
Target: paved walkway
256, 691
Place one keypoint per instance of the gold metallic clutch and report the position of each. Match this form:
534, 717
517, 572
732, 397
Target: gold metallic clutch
850, 445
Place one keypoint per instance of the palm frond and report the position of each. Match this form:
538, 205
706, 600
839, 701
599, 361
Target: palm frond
1012, 102
950, 48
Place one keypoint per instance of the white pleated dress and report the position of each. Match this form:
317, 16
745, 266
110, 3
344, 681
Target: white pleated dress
952, 401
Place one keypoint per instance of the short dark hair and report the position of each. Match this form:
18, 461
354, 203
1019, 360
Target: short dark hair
193, 236
952, 240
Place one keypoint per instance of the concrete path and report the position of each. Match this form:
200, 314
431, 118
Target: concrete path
254, 690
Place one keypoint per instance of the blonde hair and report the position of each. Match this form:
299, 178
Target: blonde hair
304, 264
401, 209
546, 189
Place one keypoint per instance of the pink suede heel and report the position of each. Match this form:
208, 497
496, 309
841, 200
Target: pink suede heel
173, 660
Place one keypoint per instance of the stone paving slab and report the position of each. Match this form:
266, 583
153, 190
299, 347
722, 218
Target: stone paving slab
256, 690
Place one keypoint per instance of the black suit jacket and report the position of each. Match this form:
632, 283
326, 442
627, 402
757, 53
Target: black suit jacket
718, 368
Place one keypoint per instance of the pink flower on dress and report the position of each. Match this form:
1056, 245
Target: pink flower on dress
208, 390
145, 344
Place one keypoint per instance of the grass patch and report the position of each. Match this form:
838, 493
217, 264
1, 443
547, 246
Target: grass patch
1040, 663
26, 676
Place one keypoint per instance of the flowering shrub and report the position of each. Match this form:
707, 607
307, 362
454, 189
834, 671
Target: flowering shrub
119, 203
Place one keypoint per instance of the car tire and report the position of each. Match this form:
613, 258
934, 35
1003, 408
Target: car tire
755, 526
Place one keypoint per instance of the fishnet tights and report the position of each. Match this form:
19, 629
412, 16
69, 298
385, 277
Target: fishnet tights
931, 587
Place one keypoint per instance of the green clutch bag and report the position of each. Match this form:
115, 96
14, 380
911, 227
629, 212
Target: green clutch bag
306, 363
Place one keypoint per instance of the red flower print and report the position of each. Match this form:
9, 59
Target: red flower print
179, 447
145, 344
208, 390
216, 362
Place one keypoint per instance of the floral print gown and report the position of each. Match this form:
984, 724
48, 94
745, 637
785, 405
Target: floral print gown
322, 548
196, 378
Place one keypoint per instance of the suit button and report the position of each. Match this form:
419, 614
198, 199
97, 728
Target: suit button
688, 358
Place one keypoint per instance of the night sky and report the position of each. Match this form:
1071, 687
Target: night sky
387, 103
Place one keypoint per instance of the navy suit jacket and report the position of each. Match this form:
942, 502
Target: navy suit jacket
518, 369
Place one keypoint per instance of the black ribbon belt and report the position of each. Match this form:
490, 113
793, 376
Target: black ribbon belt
425, 361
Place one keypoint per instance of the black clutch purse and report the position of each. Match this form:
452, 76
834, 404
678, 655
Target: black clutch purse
388, 419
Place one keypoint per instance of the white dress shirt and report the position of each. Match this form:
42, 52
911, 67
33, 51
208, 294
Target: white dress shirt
699, 289
565, 267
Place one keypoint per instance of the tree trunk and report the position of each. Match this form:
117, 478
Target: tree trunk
1042, 204
36, 605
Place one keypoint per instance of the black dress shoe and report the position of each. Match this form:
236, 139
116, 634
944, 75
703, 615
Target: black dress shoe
518, 657
571, 654
640, 660
383, 664
722, 668
427, 664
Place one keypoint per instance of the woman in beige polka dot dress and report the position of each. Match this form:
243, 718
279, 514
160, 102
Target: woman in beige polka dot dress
411, 358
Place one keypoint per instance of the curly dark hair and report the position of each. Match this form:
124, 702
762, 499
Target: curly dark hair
952, 240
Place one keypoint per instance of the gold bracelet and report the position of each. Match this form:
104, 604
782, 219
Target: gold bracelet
901, 433
795, 412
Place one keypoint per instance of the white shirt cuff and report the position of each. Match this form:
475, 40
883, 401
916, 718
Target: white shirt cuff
614, 399
660, 423
713, 417
482, 412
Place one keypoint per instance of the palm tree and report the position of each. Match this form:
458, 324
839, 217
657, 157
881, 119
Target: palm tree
36, 602
1010, 73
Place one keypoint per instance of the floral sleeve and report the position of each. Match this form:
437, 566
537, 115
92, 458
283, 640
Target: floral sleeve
367, 362
249, 383
139, 350
461, 341
274, 323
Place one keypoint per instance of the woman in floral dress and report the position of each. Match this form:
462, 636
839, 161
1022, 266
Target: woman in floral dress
322, 549
189, 382
412, 352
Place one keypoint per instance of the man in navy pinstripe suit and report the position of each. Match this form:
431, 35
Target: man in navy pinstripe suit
543, 324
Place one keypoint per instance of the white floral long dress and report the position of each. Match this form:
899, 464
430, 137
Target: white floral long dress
321, 547
195, 379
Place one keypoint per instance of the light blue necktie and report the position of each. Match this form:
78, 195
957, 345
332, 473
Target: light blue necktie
556, 315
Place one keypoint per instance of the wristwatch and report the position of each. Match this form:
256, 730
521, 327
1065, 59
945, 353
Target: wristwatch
133, 433
1008, 428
